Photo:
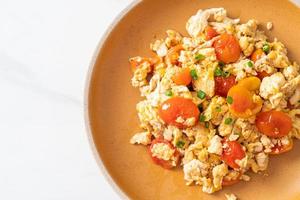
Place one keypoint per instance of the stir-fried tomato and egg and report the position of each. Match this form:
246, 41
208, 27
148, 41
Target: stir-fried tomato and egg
218, 101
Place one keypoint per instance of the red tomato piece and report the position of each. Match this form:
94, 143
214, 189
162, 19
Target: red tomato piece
257, 54
273, 123
232, 151
262, 75
223, 84
242, 99
167, 164
210, 33
176, 107
183, 77
227, 48
282, 148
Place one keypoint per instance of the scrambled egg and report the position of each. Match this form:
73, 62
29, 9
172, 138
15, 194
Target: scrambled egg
206, 81
194, 170
200, 142
215, 145
197, 23
141, 138
230, 197
162, 151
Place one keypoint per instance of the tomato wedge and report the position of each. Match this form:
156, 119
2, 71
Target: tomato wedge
178, 108
242, 103
210, 33
223, 84
227, 48
262, 75
282, 148
273, 123
183, 77
242, 99
232, 151
257, 54
250, 83
167, 164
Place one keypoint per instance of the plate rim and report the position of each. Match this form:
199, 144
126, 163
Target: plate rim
96, 52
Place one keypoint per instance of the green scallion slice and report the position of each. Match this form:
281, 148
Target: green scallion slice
266, 48
218, 72
206, 124
202, 118
180, 144
169, 93
199, 57
193, 74
229, 100
249, 64
228, 121
201, 94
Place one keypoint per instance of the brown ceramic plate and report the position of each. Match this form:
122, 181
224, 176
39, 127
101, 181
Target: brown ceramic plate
110, 101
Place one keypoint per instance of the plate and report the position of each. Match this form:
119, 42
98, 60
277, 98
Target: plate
110, 101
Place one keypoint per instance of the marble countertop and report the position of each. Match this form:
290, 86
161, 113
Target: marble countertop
45, 51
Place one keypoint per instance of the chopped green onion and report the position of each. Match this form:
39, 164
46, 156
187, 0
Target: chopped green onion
249, 64
201, 94
226, 74
228, 121
206, 124
199, 57
202, 118
200, 107
229, 100
169, 93
218, 109
218, 72
239, 134
266, 48
221, 64
193, 74
180, 144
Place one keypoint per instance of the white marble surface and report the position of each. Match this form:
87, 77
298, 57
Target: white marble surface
45, 50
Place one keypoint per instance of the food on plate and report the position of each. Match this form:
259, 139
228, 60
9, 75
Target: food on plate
217, 102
